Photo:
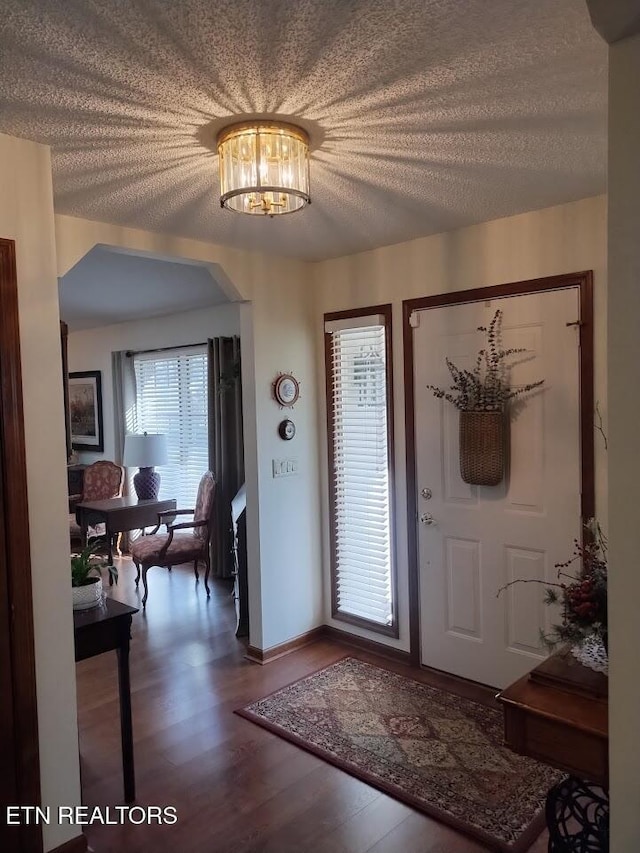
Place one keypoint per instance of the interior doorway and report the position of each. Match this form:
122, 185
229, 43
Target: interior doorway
164, 335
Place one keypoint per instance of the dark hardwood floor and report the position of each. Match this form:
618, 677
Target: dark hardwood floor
236, 787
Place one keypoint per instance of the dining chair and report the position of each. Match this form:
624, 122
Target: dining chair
182, 543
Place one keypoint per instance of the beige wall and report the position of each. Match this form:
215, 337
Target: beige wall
277, 329
26, 216
563, 239
624, 458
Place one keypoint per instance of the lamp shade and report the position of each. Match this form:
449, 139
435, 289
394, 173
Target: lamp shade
145, 451
264, 167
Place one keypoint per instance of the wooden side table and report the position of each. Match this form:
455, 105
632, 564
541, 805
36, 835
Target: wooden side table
103, 629
240, 579
558, 714
119, 515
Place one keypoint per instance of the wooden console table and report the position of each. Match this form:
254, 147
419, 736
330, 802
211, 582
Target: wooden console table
559, 714
240, 579
104, 629
119, 515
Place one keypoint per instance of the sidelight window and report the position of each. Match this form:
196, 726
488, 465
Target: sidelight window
359, 405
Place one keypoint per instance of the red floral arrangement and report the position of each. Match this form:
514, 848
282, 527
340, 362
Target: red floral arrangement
583, 599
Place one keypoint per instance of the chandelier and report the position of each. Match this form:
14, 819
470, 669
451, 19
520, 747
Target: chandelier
264, 167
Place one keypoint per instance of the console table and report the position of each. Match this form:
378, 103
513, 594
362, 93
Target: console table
119, 515
103, 629
240, 579
558, 714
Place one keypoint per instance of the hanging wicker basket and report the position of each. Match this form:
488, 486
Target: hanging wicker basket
483, 447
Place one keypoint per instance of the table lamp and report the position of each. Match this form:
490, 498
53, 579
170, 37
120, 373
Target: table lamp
145, 452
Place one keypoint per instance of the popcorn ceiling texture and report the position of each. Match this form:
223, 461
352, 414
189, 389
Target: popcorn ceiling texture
425, 115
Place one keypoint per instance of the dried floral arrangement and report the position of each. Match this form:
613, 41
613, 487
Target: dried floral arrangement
583, 599
486, 387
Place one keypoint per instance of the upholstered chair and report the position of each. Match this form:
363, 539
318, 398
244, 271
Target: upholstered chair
102, 480
182, 542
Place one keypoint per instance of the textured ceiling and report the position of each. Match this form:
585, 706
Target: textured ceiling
425, 115
108, 287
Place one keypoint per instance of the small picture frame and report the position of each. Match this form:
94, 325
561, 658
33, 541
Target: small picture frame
286, 390
85, 410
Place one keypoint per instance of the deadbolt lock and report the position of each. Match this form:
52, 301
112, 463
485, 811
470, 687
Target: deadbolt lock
427, 494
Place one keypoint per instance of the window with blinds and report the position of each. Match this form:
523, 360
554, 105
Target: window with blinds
171, 398
360, 459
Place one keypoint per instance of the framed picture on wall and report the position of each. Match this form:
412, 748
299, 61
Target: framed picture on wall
85, 410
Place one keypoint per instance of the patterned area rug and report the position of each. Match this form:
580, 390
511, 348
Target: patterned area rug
433, 750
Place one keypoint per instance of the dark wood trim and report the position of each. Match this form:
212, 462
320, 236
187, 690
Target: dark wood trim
15, 557
412, 499
392, 630
74, 845
498, 291
581, 280
64, 340
366, 645
262, 656
587, 401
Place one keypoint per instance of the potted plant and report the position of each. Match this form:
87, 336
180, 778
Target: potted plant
86, 576
482, 396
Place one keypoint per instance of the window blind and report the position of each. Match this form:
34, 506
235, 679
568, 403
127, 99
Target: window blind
171, 398
360, 479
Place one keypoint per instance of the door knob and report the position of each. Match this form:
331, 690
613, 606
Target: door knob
427, 494
426, 518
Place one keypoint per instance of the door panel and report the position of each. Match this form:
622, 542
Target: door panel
474, 539
462, 576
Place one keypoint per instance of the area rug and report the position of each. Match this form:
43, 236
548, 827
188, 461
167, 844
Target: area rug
435, 751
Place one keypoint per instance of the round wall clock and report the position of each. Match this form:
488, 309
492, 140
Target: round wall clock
286, 389
286, 429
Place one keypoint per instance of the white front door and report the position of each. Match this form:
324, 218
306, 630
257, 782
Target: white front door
474, 539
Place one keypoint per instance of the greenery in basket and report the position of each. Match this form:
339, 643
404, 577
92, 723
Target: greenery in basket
87, 566
486, 387
582, 596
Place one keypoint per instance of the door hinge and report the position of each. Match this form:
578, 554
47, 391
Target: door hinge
577, 324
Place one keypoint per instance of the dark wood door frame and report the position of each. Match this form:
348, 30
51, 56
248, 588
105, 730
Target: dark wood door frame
581, 280
19, 719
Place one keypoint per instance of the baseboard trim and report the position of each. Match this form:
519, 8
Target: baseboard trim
366, 645
326, 632
74, 845
263, 656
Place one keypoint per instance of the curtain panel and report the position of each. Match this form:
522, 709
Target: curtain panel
124, 420
226, 449
124, 403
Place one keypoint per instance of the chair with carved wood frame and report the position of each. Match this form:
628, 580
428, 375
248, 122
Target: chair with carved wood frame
176, 546
101, 480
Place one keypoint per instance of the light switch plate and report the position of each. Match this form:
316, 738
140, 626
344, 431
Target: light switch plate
284, 467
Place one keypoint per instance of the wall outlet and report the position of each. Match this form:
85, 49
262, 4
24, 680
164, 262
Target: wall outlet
284, 467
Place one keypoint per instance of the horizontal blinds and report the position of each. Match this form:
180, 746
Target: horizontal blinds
171, 398
361, 500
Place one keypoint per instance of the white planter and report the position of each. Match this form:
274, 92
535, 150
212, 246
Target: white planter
87, 596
